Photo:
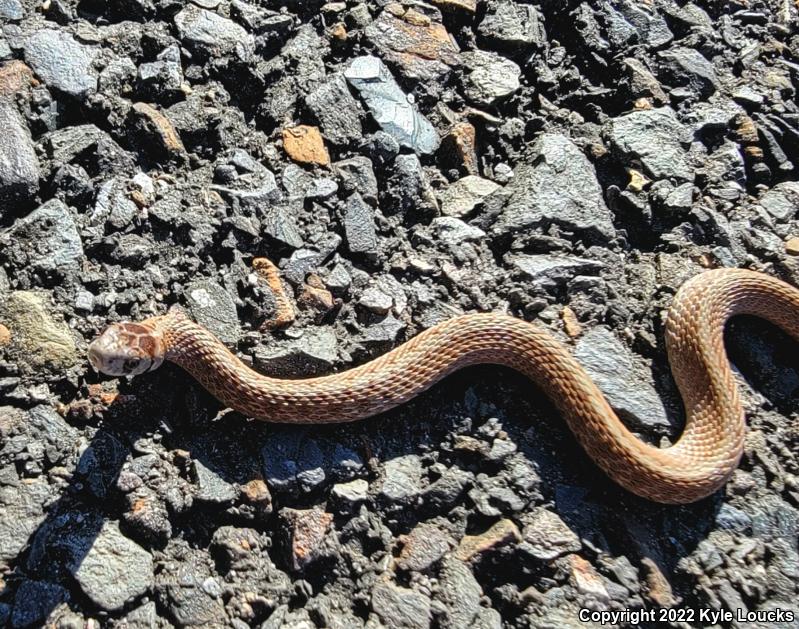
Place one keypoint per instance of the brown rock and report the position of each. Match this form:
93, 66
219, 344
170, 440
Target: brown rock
570, 323
304, 144
307, 531
157, 127
422, 49
456, 5
5, 335
458, 147
15, 77
658, 587
791, 248
284, 308
586, 580
500, 534
256, 493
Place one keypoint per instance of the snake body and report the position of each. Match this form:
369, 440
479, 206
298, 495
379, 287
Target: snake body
699, 463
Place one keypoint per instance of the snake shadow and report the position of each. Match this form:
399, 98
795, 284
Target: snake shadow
454, 425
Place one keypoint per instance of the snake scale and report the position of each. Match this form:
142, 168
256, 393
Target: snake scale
699, 463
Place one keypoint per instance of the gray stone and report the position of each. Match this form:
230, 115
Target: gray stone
209, 32
211, 487
403, 475
338, 113
114, 207
552, 270
460, 593
33, 602
313, 353
444, 492
212, 306
38, 341
61, 62
400, 607
19, 165
11, 10
280, 223
115, 570
513, 25
490, 77
463, 195
557, 185
376, 300
423, 547
387, 330
686, 67
546, 536
359, 226
46, 241
21, 513
389, 105
782, 201
357, 175
650, 25
351, 493
629, 389
655, 138
300, 184
453, 231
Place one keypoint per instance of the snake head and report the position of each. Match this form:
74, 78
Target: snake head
127, 349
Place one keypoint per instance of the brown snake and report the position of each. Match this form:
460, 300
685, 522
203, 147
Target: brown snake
700, 462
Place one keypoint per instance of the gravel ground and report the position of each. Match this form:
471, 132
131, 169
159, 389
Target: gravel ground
319, 182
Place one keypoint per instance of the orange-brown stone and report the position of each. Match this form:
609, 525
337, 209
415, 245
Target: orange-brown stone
304, 144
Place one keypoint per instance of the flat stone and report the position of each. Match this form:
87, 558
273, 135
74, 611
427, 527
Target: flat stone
420, 48
211, 487
359, 226
501, 534
338, 113
212, 306
460, 593
389, 105
314, 353
37, 340
21, 510
655, 138
308, 530
686, 67
401, 607
490, 77
115, 570
402, 478
628, 389
61, 62
423, 547
19, 165
358, 175
782, 201
513, 25
556, 185
552, 270
792, 246
469, 6
209, 32
11, 10
462, 196
304, 144
546, 536
352, 493
454, 231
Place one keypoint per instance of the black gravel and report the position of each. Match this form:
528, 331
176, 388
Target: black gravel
398, 163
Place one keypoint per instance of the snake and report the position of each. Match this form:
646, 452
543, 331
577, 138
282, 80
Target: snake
696, 465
